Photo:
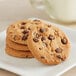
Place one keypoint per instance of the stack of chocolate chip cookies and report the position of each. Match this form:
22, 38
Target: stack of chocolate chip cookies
16, 40
35, 38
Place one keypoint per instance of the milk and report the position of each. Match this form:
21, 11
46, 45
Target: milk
64, 10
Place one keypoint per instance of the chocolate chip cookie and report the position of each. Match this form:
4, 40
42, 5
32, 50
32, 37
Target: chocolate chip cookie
19, 31
49, 44
16, 46
17, 53
16, 38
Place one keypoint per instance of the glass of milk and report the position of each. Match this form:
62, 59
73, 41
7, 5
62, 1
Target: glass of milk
63, 11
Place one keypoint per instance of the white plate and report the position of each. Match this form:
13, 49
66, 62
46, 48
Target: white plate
31, 67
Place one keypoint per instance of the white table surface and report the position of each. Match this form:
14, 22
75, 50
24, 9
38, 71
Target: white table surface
32, 12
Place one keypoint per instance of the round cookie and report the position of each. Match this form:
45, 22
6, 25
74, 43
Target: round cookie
19, 31
49, 44
16, 46
16, 53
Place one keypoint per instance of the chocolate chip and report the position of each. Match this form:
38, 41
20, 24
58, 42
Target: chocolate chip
22, 28
25, 31
49, 25
58, 50
23, 23
63, 58
51, 37
25, 37
37, 35
29, 29
36, 20
35, 39
59, 57
42, 57
42, 30
40, 48
64, 41
43, 38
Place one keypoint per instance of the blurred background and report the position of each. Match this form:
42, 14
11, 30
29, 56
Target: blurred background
14, 10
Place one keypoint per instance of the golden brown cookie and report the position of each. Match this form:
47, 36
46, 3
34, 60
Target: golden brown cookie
16, 46
17, 53
49, 44
19, 31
